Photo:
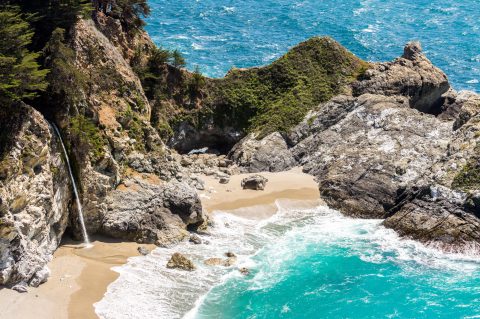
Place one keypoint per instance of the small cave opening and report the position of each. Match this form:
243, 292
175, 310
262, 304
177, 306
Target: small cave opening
205, 143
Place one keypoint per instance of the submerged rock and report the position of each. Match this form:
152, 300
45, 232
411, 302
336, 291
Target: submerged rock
227, 262
143, 251
179, 261
255, 182
195, 239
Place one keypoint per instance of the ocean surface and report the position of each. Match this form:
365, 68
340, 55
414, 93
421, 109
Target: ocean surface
313, 263
219, 34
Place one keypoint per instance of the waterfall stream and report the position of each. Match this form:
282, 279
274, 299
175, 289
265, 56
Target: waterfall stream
77, 198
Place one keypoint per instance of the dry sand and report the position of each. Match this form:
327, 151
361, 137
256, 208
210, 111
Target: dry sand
80, 276
298, 188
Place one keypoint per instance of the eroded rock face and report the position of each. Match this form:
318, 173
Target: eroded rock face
34, 197
154, 214
411, 75
437, 215
269, 154
379, 147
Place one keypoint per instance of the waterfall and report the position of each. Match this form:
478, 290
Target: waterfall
77, 198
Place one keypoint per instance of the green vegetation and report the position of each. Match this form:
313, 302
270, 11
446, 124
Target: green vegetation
278, 96
178, 60
469, 177
87, 137
66, 81
20, 74
133, 124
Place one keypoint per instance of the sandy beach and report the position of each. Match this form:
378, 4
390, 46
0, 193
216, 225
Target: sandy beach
80, 277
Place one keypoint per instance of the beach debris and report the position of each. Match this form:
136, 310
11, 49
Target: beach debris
255, 182
179, 261
195, 239
143, 250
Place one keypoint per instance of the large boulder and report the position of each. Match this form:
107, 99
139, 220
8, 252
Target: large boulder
255, 182
34, 196
270, 154
154, 214
179, 261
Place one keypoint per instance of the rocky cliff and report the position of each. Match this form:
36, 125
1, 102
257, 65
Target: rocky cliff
384, 140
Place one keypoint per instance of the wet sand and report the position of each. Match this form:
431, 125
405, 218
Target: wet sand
80, 277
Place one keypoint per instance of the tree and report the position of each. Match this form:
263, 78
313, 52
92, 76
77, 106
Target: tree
178, 60
130, 12
20, 74
66, 82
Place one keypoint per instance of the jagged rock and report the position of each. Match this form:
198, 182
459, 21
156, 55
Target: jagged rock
436, 215
381, 146
143, 251
194, 238
411, 75
268, 154
179, 261
35, 193
230, 254
255, 182
40, 277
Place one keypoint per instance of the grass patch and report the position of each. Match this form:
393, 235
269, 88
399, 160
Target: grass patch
278, 96
87, 138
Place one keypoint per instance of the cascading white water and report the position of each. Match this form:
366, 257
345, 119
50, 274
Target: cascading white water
77, 198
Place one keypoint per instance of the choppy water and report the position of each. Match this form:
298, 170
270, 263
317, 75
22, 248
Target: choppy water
311, 263
219, 34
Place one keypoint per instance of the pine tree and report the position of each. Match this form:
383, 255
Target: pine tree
177, 59
20, 74
66, 82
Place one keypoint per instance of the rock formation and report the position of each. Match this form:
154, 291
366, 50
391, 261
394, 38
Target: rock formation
255, 182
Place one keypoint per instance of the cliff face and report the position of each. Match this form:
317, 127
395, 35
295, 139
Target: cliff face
122, 168
34, 198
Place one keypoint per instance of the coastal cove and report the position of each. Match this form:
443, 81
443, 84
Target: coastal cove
217, 159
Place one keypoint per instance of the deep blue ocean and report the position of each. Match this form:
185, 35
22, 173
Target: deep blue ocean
311, 263
219, 34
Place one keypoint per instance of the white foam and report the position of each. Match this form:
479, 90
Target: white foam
147, 289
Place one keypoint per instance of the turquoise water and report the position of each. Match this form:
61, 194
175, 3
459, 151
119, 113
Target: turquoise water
312, 263
219, 34
334, 267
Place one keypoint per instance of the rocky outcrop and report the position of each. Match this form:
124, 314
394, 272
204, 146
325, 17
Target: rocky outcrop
411, 75
379, 147
438, 216
34, 195
179, 261
270, 154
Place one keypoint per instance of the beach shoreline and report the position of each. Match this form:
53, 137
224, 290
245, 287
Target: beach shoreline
80, 276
